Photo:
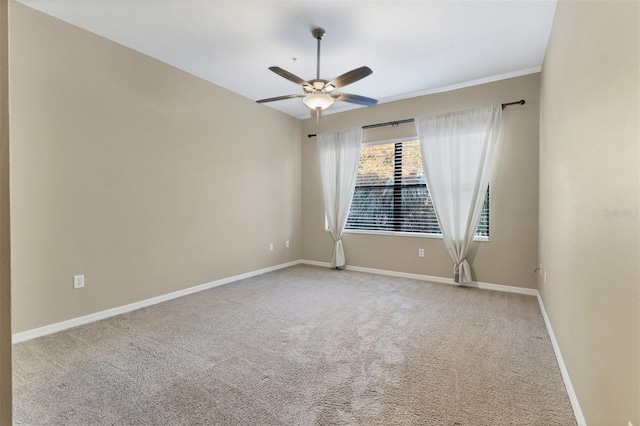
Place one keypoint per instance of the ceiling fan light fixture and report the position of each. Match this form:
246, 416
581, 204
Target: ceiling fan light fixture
317, 101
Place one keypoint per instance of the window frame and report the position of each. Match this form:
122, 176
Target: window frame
479, 238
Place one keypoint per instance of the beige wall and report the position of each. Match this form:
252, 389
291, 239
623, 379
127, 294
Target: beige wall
511, 254
144, 178
589, 203
5, 264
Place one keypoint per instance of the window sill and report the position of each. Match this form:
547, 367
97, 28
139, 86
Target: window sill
405, 234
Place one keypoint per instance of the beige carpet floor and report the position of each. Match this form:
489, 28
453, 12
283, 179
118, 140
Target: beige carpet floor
302, 346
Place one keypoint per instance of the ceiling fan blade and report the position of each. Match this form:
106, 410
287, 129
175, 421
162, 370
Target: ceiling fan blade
354, 99
280, 98
349, 77
291, 77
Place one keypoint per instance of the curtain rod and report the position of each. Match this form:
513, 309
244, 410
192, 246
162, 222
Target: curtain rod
411, 120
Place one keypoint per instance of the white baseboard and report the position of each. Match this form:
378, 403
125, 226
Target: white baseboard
74, 322
563, 368
494, 287
433, 279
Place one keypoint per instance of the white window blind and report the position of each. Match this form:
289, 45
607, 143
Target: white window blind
391, 192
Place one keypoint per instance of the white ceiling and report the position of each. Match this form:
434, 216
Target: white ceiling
413, 47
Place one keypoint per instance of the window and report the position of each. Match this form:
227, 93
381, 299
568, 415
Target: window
391, 194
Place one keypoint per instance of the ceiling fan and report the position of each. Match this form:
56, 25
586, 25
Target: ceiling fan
319, 94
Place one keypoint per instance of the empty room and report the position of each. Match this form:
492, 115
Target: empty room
319, 213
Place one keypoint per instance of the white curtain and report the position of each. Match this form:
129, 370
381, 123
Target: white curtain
457, 152
339, 154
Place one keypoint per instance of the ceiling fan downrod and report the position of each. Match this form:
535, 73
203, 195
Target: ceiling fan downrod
318, 33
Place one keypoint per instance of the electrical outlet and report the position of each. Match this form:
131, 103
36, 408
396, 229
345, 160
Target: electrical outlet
420, 252
78, 281
286, 243
270, 246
